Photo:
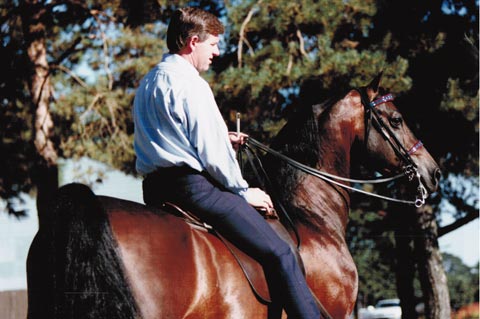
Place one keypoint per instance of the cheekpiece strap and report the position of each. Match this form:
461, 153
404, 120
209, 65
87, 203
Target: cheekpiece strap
381, 100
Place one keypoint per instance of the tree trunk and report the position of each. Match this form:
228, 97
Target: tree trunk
429, 261
45, 175
405, 265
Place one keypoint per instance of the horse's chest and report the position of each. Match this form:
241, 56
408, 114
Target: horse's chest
332, 275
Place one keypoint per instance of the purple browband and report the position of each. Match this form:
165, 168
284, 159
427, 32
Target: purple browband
381, 100
388, 98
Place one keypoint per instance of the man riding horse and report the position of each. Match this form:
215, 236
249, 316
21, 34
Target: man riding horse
185, 152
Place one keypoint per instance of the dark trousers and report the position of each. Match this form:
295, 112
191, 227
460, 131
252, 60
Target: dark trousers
236, 220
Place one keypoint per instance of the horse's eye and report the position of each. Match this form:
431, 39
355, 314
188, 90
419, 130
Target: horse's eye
396, 121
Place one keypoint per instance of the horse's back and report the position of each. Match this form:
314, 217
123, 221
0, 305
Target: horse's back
177, 270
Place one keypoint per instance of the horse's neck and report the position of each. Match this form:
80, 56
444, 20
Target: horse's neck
324, 207
326, 204
337, 131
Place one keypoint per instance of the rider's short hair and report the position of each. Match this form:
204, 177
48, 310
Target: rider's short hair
188, 22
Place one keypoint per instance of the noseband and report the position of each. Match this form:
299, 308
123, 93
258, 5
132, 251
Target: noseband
409, 167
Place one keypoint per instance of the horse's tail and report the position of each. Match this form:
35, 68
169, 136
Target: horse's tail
73, 267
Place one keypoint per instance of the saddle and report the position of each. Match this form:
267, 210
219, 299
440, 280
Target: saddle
252, 270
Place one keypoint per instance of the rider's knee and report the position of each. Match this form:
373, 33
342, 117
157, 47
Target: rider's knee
279, 253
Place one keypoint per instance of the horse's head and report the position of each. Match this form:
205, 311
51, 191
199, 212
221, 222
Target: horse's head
390, 144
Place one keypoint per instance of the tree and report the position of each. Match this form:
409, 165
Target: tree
27, 26
283, 55
34, 26
15, 115
435, 36
50, 111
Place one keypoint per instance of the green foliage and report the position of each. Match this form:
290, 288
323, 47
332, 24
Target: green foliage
286, 44
99, 114
456, 100
440, 42
462, 281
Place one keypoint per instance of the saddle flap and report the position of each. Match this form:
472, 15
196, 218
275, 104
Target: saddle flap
252, 270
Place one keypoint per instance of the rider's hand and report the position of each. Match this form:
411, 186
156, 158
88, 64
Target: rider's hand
259, 199
237, 139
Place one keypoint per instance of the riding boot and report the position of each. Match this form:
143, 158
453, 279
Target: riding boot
275, 310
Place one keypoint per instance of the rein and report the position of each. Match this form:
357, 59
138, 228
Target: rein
252, 156
329, 177
409, 168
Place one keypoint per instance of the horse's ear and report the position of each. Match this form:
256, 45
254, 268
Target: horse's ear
372, 88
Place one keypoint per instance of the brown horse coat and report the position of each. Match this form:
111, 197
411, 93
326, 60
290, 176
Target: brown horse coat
174, 270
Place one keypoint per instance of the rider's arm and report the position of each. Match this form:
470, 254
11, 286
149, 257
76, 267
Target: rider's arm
209, 136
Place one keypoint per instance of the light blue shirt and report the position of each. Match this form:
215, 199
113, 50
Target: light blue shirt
178, 123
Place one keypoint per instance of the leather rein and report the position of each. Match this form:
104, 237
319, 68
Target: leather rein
409, 168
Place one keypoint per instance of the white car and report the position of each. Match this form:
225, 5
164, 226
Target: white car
384, 309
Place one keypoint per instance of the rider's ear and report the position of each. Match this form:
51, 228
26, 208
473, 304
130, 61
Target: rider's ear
372, 88
192, 43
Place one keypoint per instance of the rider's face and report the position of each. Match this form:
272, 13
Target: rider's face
204, 52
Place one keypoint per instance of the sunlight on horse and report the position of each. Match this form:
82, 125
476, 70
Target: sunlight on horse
102, 257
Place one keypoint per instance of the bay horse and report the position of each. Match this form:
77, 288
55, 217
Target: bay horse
103, 257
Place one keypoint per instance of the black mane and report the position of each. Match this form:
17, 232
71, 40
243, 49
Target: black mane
299, 139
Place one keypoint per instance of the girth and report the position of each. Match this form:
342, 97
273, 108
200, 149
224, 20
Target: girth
252, 270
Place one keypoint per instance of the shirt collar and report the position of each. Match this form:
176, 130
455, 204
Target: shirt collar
180, 62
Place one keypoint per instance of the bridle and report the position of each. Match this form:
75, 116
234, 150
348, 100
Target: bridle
409, 168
